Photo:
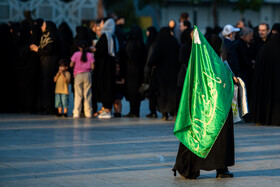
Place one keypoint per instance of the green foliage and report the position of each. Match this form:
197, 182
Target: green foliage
127, 8
143, 3
124, 8
195, 1
243, 5
256, 5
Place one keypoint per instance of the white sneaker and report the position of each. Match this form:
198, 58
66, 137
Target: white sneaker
89, 116
104, 115
76, 116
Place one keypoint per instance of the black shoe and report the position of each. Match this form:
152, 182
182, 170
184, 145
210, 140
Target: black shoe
58, 114
117, 115
129, 115
224, 175
65, 115
165, 117
152, 115
192, 176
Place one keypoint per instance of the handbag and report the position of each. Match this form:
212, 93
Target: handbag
243, 104
234, 106
143, 89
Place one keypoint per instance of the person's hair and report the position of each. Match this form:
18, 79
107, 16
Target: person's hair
186, 36
51, 27
187, 24
27, 14
184, 16
98, 21
216, 42
245, 31
276, 27
152, 36
63, 62
83, 45
105, 19
267, 26
39, 22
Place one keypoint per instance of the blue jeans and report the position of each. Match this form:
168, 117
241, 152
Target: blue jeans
61, 100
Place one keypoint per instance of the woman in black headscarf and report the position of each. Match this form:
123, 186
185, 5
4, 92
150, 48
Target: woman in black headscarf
164, 60
7, 77
104, 77
149, 76
82, 34
136, 55
221, 155
28, 68
265, 102
172, 26
66, 39
49, 51
184, 55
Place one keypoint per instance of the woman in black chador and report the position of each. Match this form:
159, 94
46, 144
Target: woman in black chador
164, 60
28, 68
66, 39
149, 77
82, 34
8, 92
184, 55
104, 76
221, 155
49, 51
136, 55
265, 100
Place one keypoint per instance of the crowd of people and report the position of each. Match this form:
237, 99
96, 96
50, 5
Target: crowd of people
104, 64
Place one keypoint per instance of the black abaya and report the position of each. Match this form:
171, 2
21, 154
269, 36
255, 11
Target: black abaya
165, 61
220, 157
104, 75
265, 106
136, 55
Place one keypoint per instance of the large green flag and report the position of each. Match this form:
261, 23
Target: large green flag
206, 98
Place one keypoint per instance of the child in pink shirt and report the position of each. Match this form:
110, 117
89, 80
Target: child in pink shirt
83, 63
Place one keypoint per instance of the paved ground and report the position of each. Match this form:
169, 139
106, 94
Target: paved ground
49, 151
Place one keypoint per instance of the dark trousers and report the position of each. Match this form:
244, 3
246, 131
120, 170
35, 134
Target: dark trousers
135, 107
153, 104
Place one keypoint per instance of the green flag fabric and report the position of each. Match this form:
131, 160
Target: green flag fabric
206, 98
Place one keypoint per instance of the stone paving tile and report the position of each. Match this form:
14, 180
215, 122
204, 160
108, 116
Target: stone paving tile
49, 151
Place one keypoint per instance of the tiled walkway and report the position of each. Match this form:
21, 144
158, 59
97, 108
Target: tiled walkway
48, 151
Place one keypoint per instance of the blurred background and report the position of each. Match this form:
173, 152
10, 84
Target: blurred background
146, 13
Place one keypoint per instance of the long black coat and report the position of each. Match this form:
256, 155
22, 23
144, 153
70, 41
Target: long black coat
184, 55
244, 59
136, 56
220, 157
229, 53
7, 76
49, 66
265, 106
165, 61
104, 76
28, 71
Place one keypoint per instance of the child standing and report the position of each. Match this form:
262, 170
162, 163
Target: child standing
83, 63
62, 79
